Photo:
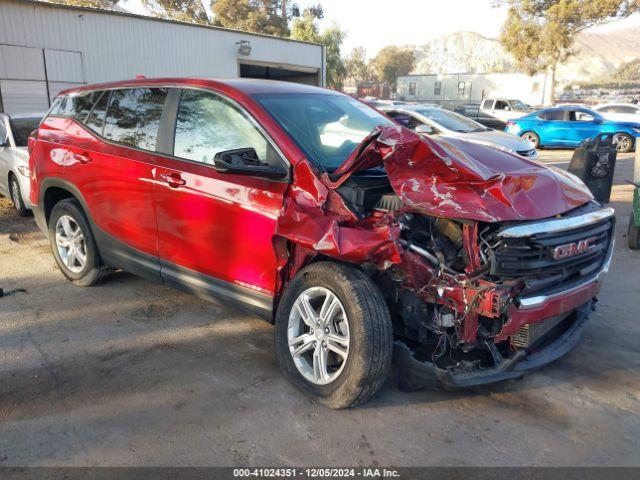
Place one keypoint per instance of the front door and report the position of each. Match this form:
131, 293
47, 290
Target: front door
215, 229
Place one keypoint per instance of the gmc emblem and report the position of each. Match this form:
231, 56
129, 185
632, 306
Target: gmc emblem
571, 249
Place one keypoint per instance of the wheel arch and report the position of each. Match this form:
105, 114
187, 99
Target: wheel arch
54, 190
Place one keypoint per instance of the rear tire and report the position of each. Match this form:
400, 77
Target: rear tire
73, 245
16, 197
623, 142
358, 373
531, 137
633, 234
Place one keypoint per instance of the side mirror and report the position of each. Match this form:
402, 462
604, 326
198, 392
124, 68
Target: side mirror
507, 108
245, 161
423, 129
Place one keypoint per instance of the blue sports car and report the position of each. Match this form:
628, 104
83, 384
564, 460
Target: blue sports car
568, 126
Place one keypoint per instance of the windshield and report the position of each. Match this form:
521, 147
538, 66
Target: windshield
326, 127
518, 105
451, 120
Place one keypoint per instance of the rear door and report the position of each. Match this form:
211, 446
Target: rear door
552, 125
113, 165
216, 229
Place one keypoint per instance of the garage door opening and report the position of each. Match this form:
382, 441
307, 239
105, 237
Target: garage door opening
279, 73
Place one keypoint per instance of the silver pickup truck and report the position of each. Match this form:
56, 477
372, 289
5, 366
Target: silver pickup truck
494, 112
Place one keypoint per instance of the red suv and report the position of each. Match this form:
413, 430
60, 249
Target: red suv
360, 239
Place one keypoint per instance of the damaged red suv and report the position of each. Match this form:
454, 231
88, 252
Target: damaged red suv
360, 239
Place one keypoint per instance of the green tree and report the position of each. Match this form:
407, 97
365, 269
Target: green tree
270, 17
191, 11
356, 66
306, 29
87, 3
540, 33
392, 62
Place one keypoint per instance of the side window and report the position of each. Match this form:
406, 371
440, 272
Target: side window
501, 105
95, 120
133, 117
76, 105
401, 118
487, 104
208, 124
578, 116
22, 128
414, 122
607, 110
557, 115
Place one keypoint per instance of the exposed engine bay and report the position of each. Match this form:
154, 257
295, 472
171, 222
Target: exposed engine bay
471, 262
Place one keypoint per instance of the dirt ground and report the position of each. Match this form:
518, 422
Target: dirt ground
132, 373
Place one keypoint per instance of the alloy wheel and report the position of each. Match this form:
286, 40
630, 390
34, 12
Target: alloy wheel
530, 137
318, 335
622, 143
71, 244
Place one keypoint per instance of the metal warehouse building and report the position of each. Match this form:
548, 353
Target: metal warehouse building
45, 48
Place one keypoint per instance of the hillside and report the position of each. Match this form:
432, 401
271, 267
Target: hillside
597, 56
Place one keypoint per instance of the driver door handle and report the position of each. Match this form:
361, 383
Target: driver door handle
83, 158
174, 180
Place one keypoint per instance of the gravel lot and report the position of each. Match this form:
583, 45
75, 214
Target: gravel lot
132, 373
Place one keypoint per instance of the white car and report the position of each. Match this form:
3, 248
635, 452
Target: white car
620, 112
14, 158
438, 121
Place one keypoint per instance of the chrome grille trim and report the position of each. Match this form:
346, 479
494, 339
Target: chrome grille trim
557, 225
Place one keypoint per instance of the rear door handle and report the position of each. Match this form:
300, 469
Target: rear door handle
174, 180
83, 158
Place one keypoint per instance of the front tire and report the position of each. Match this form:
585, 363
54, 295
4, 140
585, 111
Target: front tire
16, 196
73, 245
623, 142
333, 335
531, 137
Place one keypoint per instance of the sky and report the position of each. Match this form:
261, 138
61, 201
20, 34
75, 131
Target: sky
374, 24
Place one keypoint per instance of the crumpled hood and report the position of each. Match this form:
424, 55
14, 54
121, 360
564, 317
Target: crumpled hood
458, 179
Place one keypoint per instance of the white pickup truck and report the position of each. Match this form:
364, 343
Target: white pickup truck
494, 112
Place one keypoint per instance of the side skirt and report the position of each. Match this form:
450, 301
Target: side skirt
119, 255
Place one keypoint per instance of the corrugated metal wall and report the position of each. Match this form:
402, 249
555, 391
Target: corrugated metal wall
83, 46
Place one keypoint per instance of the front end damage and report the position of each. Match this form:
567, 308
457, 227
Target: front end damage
489, 262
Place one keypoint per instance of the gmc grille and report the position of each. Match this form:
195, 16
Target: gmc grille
532, 258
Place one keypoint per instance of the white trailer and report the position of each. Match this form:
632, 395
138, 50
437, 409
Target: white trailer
450, 90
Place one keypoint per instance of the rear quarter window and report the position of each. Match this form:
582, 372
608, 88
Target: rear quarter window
75, 105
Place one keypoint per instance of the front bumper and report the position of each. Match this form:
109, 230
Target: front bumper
412, 374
